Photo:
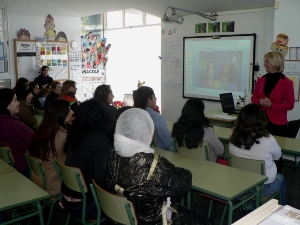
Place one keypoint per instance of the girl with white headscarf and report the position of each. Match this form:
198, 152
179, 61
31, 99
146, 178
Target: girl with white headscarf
146, 179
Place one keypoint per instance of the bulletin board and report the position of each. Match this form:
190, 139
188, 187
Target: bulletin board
292, 71
31, 55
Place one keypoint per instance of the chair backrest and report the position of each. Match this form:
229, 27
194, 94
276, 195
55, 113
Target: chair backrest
170, 126
115, 207
36, 167
40, 112
6, 155
251, 165
202, 152
293, 128
72, 177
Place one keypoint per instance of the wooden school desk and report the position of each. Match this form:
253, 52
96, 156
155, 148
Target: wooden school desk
222, 181
5, 167
289, 146
218, 118
16, 190
217, 180
169, 155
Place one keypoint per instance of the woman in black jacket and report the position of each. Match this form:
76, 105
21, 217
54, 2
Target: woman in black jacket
145, 178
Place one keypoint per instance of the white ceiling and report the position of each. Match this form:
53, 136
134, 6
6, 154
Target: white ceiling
156, 7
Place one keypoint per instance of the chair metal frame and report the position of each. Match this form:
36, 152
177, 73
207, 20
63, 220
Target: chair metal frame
36, 167
81, 186
6, 155
98, 193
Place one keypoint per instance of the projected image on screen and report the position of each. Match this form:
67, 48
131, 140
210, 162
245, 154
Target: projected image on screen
218, 65
219, 70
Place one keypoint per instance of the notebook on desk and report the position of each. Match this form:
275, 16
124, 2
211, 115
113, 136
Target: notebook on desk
227, 103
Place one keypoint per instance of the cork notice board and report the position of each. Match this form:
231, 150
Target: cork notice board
31, 55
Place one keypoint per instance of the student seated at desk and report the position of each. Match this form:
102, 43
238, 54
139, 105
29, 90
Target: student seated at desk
36, 94
87, 147
146, 179
14, 133
104, 95
144, 98
27, 111
48, 142
54, 94
192, 128
68, 93
114, 120
250, 139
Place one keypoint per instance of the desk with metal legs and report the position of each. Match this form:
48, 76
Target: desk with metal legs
222, 182
5, 167
217, 180
16, 190
288, 146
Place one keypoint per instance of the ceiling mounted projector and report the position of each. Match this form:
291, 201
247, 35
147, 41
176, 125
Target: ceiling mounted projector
179, 19
176, 18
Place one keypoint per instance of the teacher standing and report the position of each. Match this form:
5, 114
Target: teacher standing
274, 92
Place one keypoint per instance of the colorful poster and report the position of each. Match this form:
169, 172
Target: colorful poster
91, 46
51, 54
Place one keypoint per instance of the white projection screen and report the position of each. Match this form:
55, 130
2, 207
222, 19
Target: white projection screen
218, 64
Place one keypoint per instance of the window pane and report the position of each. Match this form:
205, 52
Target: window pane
91, 23
150, 19
3, 40
114, 19
133, 17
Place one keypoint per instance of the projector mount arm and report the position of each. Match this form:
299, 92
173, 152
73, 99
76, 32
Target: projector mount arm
211, 17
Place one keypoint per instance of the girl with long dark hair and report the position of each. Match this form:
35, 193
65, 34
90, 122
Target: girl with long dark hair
87, 147
48, 142
251, 139
14, 133
192, 128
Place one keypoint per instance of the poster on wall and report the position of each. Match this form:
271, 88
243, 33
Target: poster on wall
91, 50
1, 49
2, 65
26, 59
31, 55
292, 71
51, 54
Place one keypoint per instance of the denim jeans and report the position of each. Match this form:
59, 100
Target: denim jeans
75, 209
278, 184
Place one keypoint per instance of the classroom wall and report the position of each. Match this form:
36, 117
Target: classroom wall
286, 21
259, 21
31, 15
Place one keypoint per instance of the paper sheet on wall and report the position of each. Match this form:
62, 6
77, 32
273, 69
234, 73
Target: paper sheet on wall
172, 63
2, 65
1, 49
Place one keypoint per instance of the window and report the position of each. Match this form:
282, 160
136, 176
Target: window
114, 19
150, 19
3, 41
133, 17
129, 18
